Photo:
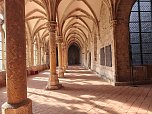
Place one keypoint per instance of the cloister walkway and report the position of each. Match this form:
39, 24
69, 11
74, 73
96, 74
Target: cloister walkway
84, 92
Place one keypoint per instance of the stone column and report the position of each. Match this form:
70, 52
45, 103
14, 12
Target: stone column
41, 55
114, 62
60, 55
63, 49
47, 57
32, 54
38, 55
85, 59
53, 82
65, 58
17, 101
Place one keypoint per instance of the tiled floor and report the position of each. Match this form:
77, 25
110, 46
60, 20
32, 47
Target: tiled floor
85, 93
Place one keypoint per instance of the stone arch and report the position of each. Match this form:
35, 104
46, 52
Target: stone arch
140, 40
124, 69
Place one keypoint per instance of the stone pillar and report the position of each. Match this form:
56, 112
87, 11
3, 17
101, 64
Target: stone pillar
65, 58
85, 60
32, 54
114, 25
41, 55
63, 49
38, 51
53, 82
47, 57
60, 54
17, 101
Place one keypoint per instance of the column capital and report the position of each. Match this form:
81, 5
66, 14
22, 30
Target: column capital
1, 21
63, 45
59, 39
51, 25
114, 22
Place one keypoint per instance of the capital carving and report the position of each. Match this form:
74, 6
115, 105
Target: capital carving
51, 25
114, 22
59, 39
1, 22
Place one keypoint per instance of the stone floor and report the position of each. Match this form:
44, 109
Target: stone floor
85, 93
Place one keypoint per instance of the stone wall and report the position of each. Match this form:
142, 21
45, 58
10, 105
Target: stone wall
104, 38
30, 71
116, 33
125, 72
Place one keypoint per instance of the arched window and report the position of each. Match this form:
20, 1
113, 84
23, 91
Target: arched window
27, 54
35, 53
141, 32
1, 51
2, 44
42, 55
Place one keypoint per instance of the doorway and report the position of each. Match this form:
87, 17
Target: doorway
89, 62
74, 55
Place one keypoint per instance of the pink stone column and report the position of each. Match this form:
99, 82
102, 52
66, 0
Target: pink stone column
53, 82
60, 55
66, 58
65, 63
17, 102
63, 56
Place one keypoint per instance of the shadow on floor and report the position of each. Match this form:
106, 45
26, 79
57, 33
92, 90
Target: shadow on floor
85, 94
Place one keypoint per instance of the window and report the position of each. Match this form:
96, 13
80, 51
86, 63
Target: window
35, 54
108, 56
42, 55
1, 63
141, 32
95, 47
27, 55
2, 51
102, 56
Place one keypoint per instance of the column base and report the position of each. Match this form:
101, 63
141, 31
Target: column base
24, 107
65, 68
53, 83
53, 87
61, 73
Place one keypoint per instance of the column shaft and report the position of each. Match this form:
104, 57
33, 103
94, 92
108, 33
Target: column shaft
61, 73
53, 82
15, 51
52, 53
32, 54
16, 59
65, 58
63, 49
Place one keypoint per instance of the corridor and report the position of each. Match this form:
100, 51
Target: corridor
84, 92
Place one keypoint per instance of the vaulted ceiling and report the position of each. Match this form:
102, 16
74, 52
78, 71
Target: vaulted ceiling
76, 19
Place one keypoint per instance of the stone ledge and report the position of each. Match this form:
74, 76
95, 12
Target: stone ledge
24, 107
53, 87
142, 82
132, 83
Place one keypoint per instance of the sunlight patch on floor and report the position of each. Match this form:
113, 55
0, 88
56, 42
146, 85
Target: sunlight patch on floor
40, 79
87, 96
